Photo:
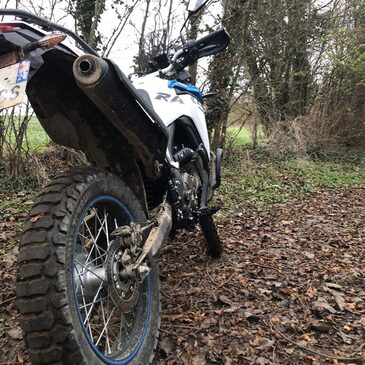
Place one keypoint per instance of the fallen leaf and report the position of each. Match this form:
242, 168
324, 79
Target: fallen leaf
15, 333
306, 337
340, 301
289, 350
311, 292
322, 307
167, 345
199, 359
37, 217
319, 326
309, 255
256, 342
225, 300
333, 286
346, 339
262, 361
266, 344
208, 322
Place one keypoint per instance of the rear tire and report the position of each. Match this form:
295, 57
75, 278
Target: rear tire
212, 240
53, 267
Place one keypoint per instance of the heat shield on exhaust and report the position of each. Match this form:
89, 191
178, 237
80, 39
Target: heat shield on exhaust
128, 110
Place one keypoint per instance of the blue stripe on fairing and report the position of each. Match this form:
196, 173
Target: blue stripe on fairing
173, 84
139, 345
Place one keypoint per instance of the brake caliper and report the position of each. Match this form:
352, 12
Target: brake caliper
123, 277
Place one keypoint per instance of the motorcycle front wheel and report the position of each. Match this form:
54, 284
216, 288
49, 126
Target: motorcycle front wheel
74, 306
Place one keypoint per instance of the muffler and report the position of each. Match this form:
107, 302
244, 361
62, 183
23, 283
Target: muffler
127, 109
89, 71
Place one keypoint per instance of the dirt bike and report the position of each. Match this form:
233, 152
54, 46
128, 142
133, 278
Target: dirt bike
88, 289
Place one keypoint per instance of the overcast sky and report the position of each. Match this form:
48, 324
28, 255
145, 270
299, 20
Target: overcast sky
126, 46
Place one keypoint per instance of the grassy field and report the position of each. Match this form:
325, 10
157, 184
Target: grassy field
253, 178
37, 137
237, 136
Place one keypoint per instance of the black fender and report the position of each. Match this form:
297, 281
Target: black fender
72, 120
107, 116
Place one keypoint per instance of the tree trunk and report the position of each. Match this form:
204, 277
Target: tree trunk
141, 61
221, 72
193, 34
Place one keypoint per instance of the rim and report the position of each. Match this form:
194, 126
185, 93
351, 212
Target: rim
115, 336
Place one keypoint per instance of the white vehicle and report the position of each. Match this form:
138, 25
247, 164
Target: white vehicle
88, 288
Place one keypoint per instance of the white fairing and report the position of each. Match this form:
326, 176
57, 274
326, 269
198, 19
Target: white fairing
170, 106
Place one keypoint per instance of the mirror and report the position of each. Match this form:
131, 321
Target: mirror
195, 5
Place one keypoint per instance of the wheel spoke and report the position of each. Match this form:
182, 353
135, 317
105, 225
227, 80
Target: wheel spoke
94, 240
104, 226
86, 305
109, 329
95, 260
93, 303
104, 329
84, 237
127, 326
107, 228
83, 299
119, 340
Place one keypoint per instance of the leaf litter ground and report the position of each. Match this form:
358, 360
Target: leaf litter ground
289, 288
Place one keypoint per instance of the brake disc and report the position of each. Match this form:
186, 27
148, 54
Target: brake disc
123, 289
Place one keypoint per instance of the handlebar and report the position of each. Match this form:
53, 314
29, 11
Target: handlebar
171, 67
193, 50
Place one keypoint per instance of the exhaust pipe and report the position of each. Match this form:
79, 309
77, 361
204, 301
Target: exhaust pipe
158, 234
125, 107
89, 71
86, 67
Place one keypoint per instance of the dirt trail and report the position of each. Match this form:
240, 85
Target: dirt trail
290, 289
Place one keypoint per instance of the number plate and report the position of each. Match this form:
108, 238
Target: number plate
13, 80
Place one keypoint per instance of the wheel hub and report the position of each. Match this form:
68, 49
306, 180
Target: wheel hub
88, 278
118, 274
122, 288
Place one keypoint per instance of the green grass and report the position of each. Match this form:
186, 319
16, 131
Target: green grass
237, 136
37, 137
262, 181
15, 202
251, 177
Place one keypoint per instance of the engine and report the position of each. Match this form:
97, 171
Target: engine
185, 188
191, 189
